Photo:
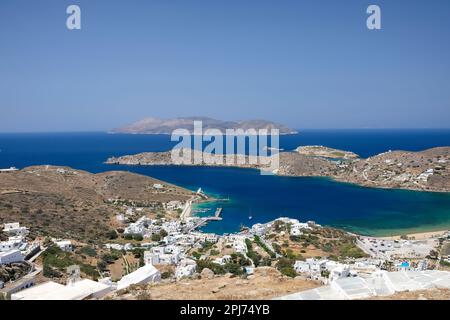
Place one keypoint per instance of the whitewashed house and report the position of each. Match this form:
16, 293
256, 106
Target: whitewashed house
163, 255
64, 245
258, 229
15, 229
114, 246
211, 237
186, 268
223, 260
314, 269
338, 272
79, 290
12, 243
143, 275
10, 257
174, 205
301, 267
185, 271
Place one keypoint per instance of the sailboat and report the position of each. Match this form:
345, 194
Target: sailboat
250, 215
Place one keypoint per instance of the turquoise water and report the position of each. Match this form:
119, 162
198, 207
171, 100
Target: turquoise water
359, 209
363, 210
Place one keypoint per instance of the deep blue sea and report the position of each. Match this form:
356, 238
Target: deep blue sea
359, 209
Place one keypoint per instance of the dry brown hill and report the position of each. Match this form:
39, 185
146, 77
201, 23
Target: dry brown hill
63, 202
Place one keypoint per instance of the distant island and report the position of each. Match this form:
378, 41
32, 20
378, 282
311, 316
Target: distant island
326, 152
167, 126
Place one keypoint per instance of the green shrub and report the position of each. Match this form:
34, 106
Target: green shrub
128, 236
286, 267
89, 271
163, 233
214, 252
259, 242
156, 237
89, 251
214, 267
112, 234
166, 274
444, 263
234, 268
49, 272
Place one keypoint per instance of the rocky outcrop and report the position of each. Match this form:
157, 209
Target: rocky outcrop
427, 170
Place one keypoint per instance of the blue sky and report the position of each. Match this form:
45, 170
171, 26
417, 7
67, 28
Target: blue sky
308, 64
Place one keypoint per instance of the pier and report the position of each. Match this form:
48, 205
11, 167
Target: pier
216, 216
205, 220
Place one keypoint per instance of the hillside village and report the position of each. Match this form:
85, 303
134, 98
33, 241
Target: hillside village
149, 251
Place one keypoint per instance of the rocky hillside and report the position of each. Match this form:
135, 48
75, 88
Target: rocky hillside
266, 283
68, 203
427, 170
167, 126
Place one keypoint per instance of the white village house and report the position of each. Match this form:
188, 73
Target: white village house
15, 229
143, 275
10, 257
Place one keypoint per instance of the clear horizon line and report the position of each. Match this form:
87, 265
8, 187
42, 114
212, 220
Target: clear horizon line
299, 130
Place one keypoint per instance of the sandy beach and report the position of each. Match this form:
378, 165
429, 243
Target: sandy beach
418, 235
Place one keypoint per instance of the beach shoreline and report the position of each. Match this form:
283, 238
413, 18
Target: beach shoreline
417, 235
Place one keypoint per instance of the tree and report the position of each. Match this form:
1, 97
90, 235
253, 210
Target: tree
163, 233
49, 272
102, 266
233, 268
286, 267
111, 234
156, 237
128, 236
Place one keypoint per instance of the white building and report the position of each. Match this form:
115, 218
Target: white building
15, 229
174, 205
338, 272
10, 257
223, 260
13, 243
258, 229
237, 242
302, 267
145, 274
314, 268
186, 268
64, 245
163, 255
211, 237
114, 246
171, 226
249, 270
295, 232
78, 290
